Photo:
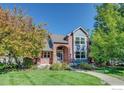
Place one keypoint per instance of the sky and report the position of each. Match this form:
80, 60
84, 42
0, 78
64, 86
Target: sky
60, 18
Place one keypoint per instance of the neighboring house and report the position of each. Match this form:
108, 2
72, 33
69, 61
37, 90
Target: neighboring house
70, 48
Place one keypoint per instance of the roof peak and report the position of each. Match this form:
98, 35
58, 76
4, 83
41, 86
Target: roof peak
79, 27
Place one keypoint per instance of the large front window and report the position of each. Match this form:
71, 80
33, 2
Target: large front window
80, 44
80, 48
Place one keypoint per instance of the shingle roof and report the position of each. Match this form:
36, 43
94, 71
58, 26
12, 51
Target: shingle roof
58, 38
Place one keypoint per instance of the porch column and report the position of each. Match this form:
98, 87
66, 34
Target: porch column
66, 54
69, 55
54, 55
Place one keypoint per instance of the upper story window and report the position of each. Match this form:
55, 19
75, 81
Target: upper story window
80, 48
82, 41
79, 40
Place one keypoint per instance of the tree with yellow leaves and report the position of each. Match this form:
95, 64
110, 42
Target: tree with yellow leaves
18, 36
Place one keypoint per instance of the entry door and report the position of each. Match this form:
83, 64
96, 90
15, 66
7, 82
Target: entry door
60, 55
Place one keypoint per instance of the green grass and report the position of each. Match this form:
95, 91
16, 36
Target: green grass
43, 77
119, 75
112, 72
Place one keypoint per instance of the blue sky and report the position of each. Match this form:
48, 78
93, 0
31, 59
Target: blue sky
61, 18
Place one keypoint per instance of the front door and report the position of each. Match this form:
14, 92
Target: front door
59, 55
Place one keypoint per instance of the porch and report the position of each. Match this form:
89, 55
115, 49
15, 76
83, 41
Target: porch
60, 53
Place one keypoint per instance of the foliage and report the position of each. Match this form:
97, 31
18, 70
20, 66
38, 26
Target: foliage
7, 67
65, 66
2, 66
18, 36
86, 66
56, 66
108, 35
27, 63
60, 66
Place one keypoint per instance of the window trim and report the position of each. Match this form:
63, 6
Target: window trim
46, 54
80, 55
77, 40
80, 37
81, 44
83, 40
76, 54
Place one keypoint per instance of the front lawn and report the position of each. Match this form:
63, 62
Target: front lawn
43, 77
118, 73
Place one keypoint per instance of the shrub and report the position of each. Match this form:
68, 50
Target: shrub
65, 66
56, 66
12, 66
7, 67
2, 66
86, 66
60, 66
27, 62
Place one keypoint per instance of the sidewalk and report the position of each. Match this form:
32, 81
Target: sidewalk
108, 79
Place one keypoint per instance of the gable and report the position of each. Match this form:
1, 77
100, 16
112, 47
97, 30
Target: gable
79, 32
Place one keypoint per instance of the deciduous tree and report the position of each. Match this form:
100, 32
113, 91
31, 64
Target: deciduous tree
108, 38
18, 36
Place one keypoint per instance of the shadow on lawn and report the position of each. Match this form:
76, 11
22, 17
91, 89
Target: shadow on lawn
109, 70
6, 70
3, 71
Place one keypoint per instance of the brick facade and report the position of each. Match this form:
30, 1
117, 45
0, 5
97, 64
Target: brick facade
62, 48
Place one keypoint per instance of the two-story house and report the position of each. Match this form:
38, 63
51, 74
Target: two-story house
72, 47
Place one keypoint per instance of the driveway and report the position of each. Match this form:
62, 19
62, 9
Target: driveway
108, 79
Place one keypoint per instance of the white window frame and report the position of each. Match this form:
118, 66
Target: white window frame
85, 44
80, 37
47, 53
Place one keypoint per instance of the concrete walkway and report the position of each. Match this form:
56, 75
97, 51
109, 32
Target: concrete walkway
108, 79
